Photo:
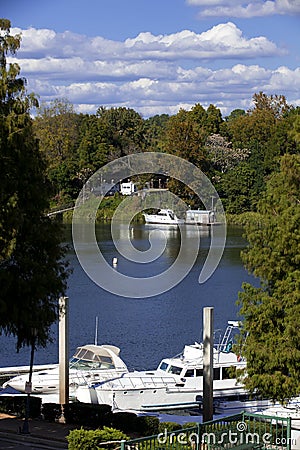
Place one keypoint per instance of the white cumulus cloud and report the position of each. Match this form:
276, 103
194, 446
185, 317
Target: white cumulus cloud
154, 74
223, 40
246, 8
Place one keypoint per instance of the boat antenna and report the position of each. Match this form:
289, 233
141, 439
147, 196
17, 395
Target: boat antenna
96, 331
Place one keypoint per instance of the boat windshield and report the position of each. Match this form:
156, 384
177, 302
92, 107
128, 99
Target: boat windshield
175, 370
99, 362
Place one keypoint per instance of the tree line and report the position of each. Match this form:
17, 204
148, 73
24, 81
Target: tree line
237, 152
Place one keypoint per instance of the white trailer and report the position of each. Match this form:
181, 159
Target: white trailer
127, 188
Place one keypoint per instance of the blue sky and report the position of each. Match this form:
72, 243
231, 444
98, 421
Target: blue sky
158, 56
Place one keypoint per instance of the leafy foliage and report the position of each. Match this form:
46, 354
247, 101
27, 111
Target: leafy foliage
272, 312
32, 271
92, 439
237, 153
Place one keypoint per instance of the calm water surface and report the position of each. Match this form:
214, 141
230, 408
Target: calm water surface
146, 330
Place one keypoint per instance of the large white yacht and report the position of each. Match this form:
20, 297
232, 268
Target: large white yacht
177, 383
89, 363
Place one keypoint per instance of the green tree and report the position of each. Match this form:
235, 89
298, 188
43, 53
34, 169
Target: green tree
32, 270
236, 188
185, 138
57, 129
123, 130
271, 312
93, 149
154, 131
263, 130
294, 133
235, 114
214, 119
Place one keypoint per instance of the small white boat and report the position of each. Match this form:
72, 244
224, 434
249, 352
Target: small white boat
163, 217
292, 411
177, 383
89, 363
230, 407
247, 404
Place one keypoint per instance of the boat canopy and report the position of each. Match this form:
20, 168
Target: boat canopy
94, 352
100, 356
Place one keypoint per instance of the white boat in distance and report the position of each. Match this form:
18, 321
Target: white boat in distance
89, 363
177, 383
163, 217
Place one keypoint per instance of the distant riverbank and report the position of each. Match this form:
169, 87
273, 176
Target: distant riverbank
109, 205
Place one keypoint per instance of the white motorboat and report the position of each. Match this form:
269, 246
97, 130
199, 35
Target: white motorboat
229, 406
163, 217
291, 411
89, 363
177, 383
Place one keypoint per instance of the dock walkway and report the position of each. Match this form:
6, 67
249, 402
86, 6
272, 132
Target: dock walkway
43, 434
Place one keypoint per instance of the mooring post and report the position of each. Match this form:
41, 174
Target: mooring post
63, 355
208, 348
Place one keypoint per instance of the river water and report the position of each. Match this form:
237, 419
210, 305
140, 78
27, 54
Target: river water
145, 329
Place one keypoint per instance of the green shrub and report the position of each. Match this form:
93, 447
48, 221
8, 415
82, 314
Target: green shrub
17, 405
94, 416
92, 439
147, 425
169, 426
190, 425
51, 411
125, 421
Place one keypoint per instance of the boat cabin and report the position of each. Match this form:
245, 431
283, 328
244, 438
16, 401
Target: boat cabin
198, 217
223, 372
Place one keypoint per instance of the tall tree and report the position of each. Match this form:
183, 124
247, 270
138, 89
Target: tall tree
57, 128
123, 130
271, 312
185, 137
32, 270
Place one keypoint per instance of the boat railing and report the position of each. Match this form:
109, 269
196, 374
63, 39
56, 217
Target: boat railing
138, 382
80, 378
227, 340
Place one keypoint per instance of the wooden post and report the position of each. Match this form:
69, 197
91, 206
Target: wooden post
208, 348
63, 354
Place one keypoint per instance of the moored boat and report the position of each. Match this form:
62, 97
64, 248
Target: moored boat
177, 383
163, 217
249, 404
200, 217
291, 410
89, 363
